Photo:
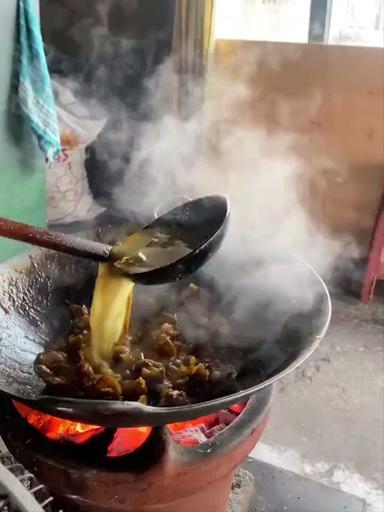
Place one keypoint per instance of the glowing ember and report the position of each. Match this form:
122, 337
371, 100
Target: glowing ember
57, 429
187, 432
237, 408
194, 432
127, 440
203, 420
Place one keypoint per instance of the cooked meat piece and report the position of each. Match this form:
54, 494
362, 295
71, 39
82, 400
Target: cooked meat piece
107, 386
133, 389
156, 365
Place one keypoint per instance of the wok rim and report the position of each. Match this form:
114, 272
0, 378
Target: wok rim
129, 412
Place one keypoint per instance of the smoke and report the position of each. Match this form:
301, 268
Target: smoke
221, 149
216, 151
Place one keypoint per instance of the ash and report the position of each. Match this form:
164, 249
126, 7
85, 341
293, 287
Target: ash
243, 490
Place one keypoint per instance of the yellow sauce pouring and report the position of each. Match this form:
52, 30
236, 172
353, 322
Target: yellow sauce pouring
113, 294
111, 305
110, 312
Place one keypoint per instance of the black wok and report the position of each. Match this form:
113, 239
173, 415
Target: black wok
33, 289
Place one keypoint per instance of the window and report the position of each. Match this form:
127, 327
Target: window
263, 20
357, 22
352, 22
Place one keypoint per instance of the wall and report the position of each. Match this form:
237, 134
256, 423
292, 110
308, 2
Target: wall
22, 179
333, 97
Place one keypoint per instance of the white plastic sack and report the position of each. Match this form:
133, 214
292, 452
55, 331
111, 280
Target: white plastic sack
69, 195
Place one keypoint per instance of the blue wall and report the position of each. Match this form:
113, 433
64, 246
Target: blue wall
22, 178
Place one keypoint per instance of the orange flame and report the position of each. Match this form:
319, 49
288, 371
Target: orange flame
127, 440
55, 428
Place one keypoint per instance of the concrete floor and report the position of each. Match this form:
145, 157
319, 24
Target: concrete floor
327, 419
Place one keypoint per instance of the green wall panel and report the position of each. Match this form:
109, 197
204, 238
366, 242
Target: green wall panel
22, 178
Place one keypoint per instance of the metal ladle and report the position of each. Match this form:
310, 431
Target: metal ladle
175, 245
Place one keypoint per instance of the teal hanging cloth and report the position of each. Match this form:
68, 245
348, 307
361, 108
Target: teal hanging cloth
35, 95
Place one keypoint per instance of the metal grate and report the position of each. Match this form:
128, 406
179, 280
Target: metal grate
19, 489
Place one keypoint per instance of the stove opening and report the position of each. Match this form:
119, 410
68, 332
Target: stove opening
125, 441
55, 428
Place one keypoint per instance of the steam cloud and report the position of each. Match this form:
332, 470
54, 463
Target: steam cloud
262, 173
217, 151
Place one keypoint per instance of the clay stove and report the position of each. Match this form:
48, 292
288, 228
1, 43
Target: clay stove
184, 467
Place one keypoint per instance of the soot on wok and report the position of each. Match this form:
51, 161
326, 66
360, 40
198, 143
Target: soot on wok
170, 358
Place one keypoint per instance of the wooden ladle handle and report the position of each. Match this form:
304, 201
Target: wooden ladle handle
54, 240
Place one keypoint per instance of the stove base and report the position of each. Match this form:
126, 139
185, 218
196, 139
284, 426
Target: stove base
212, 499
258, 487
